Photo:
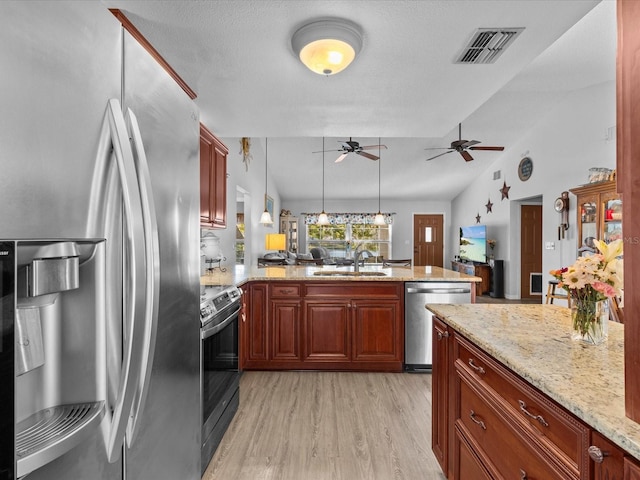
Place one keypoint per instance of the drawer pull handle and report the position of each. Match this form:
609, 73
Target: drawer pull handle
539, 418
286, 291
476, 367
475, 420
523, 475
442, 335
596, 454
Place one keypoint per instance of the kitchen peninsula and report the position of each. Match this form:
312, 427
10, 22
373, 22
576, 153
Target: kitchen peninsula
508, 376
326, 317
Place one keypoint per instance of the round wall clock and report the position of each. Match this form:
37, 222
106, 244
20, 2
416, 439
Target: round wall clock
525, 168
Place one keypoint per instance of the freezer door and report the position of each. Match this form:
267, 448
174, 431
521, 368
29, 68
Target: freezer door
169, 126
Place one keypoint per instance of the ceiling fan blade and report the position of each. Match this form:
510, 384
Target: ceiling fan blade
341, 157
368, 155
439, 148
469, 143
439, 155
495, 149
466, 155
371, 147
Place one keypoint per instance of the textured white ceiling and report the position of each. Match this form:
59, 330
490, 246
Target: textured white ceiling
403, 87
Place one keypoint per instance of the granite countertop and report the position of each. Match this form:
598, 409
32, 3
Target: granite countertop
240, 275
534, 342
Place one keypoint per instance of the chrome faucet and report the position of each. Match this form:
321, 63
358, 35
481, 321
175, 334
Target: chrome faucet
356, 257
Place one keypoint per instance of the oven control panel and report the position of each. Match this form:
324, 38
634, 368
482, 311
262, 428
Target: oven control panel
214, 306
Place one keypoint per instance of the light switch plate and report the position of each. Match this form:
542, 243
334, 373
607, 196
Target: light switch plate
550, 246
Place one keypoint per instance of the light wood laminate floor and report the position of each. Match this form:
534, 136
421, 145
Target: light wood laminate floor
329, 425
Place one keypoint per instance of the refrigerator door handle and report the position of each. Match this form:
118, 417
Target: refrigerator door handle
114, 135
152, 277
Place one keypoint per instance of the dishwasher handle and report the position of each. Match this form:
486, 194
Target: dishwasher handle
437, 290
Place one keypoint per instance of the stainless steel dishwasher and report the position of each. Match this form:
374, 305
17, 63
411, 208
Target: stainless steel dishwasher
418, 320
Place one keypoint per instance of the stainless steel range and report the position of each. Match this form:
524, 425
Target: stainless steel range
220, 375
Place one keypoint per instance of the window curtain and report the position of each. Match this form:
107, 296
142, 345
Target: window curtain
347, 218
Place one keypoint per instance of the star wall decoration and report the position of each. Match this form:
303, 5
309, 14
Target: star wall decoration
489, 205
505, 191
478, 217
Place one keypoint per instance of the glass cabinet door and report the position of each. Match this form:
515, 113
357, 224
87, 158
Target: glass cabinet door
589, 217
612, 224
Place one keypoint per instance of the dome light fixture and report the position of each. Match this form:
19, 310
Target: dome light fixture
327, 46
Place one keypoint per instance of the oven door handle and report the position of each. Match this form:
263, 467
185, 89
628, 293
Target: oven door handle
206, 332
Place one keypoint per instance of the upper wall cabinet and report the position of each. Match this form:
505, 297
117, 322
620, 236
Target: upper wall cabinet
213, 180
599, 212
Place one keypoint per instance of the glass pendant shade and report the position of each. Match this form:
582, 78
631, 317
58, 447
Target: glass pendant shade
265, 218
379, 219
323, 219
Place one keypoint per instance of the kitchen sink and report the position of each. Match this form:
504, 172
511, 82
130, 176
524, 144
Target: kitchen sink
335, 273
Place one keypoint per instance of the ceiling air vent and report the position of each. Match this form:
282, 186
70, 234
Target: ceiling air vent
487, 44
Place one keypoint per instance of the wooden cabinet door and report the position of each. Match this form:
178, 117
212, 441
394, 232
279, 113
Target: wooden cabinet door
376, 332
256, 330
631, 469
607, 460
213, 180
441, 341
326, 330
285, 330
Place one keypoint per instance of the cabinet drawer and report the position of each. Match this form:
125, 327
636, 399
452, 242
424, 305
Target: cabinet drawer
284, 290
468, 466
550, 424
510, 452
391, 290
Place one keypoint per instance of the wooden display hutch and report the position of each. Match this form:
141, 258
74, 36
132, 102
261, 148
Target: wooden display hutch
599, 209
289, 226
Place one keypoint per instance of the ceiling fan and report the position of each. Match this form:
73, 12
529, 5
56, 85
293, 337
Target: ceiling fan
352, 146
461, 146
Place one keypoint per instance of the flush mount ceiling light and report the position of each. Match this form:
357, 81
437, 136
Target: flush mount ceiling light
327, 46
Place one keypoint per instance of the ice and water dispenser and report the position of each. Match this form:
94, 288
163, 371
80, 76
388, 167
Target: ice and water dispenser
59, 345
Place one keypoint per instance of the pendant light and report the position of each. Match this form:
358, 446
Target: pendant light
379, 219
266, 219
323, 218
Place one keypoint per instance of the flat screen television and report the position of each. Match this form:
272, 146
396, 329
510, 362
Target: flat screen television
473, 243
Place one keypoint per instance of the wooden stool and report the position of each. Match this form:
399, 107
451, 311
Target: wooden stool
551, 293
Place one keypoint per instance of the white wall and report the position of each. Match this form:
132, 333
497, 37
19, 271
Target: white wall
563, 145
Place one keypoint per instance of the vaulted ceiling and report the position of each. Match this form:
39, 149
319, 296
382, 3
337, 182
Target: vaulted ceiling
404, 87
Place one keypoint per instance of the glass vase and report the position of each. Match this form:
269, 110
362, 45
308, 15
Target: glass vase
589, 321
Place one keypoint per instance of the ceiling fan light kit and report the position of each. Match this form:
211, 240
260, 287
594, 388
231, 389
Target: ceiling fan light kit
327, 46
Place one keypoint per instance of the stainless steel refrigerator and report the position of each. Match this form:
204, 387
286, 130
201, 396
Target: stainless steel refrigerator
100, 162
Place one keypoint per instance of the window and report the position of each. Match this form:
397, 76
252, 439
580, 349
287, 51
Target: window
341, 240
